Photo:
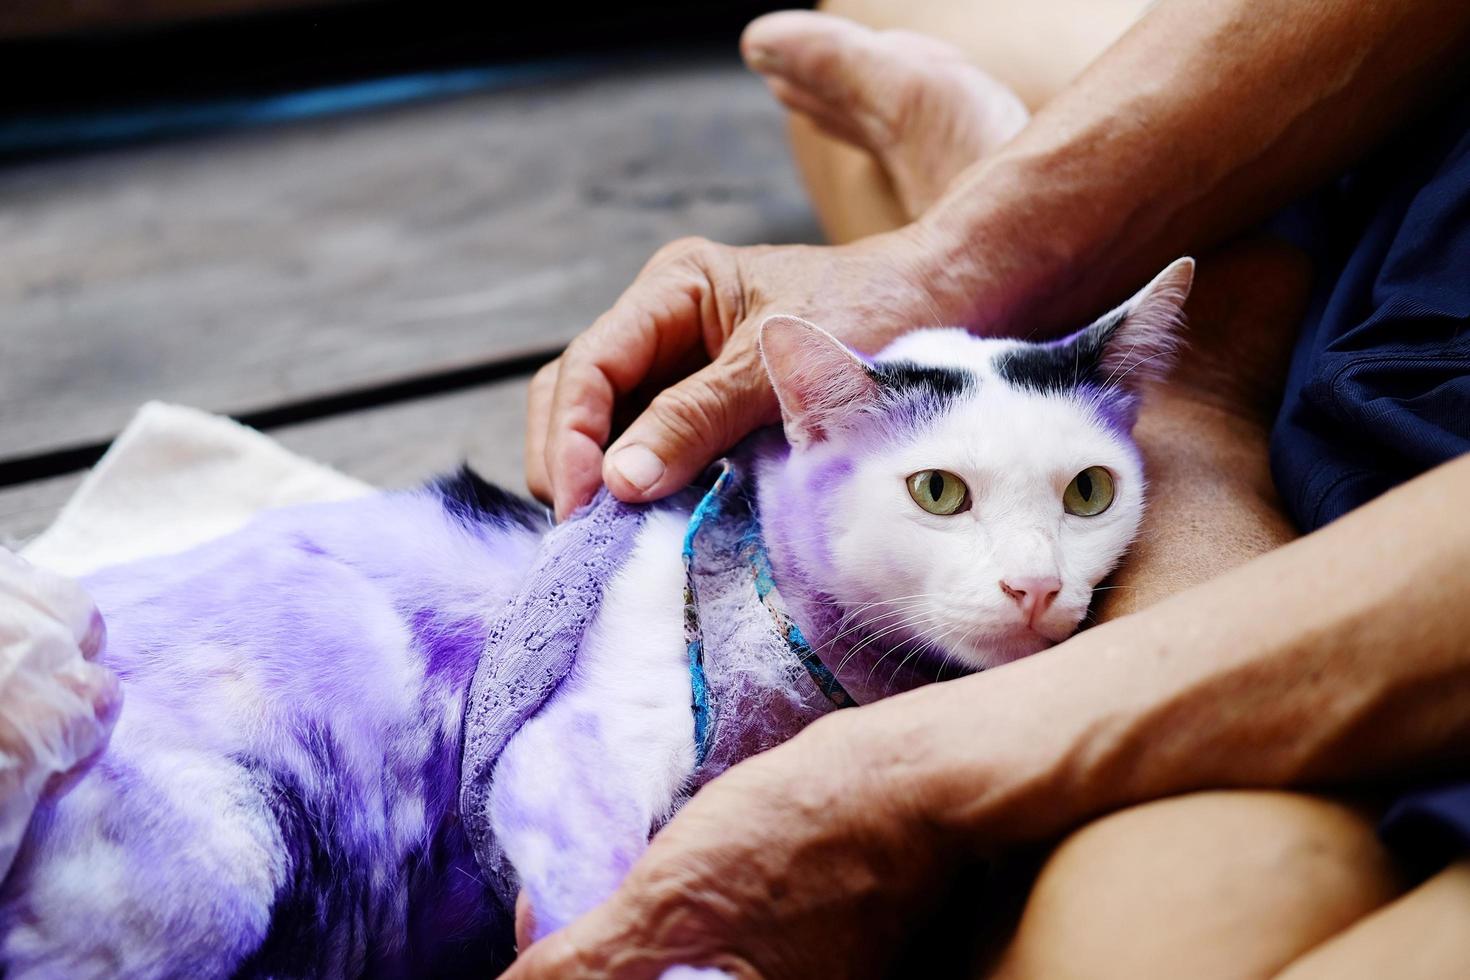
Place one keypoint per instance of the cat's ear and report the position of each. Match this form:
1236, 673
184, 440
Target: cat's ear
820, 384
1139, 340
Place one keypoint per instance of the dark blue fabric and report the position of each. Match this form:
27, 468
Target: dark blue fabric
1379, 387
1428, 827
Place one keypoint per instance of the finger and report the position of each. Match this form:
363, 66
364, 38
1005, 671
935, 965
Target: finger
94, 640
653, 325
612, 943
688, 425
56, 597
525, 921
595, 947
581, 421
538, 418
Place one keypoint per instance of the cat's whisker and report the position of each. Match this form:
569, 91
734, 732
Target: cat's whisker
905, 619
871, 616
1123, 361
927, 639
873, 610
948, 656
858, 628
918, 640
1135, 366
896, 601
869, 641
909, 606
903, 622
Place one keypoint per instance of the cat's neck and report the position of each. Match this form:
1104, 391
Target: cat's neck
868, 659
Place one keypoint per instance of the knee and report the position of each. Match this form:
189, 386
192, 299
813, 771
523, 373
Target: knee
1239, 882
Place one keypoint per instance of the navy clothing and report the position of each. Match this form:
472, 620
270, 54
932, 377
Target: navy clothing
1379, 386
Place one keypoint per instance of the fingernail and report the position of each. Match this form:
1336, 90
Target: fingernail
638, 465
764, 59
96, 637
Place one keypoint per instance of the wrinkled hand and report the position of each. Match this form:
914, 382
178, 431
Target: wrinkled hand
810, 860
57, 705
696, 307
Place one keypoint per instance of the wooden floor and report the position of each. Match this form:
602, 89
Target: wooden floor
357, 281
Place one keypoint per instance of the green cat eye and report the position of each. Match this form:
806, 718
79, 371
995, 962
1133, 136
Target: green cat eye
1090, 492
939, 492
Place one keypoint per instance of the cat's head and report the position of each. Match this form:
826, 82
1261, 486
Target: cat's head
965, 494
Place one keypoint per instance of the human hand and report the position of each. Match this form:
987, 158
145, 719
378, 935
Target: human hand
57, 705
809, 860
695, 310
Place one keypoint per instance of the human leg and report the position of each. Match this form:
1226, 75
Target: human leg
1213, 506
893, 97
1420, 936
1222, 884
892, 102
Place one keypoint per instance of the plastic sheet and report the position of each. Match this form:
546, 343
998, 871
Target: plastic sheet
57, 705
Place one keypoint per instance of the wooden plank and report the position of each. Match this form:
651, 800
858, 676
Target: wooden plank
27, 509
242, 270
403, 445
394, 446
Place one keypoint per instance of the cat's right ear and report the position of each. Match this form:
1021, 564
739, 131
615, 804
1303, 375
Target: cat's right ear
821, 385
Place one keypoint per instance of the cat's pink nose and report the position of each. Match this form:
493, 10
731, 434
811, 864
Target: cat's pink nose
1033, 593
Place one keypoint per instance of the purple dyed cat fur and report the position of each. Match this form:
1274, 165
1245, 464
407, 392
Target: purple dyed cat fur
283, 792
530, 650
280, 795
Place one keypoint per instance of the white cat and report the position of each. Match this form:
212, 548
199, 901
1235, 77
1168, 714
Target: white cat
353, 731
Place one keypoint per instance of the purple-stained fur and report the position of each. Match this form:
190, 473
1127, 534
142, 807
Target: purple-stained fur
280, 795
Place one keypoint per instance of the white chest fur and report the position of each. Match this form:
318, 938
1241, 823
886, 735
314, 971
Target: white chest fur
579, 788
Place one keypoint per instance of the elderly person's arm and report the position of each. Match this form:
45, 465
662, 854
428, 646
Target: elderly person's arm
1341, 656
1199, 121
57, 705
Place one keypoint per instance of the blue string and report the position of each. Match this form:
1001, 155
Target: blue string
709, 508
712, 507
753, 546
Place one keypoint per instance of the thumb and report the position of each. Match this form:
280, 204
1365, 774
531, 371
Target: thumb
689, 425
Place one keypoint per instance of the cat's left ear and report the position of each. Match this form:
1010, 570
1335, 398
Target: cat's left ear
821, 385
1138, 341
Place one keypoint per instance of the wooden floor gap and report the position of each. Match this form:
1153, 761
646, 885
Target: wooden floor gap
58, 462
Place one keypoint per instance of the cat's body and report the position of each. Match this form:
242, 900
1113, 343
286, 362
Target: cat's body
281, 794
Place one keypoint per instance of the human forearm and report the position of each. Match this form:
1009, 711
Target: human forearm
1340, 657
1201, 120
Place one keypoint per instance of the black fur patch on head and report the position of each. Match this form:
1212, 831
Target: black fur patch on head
472, 500
905, 379
1062, 365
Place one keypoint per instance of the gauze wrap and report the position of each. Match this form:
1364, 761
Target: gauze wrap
530, 651
57, 707
754, 679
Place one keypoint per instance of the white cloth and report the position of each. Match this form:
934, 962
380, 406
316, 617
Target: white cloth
56, 705
177, 477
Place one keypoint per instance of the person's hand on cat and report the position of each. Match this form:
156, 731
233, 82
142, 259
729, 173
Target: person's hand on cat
805, 861
56, 704
695, 310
